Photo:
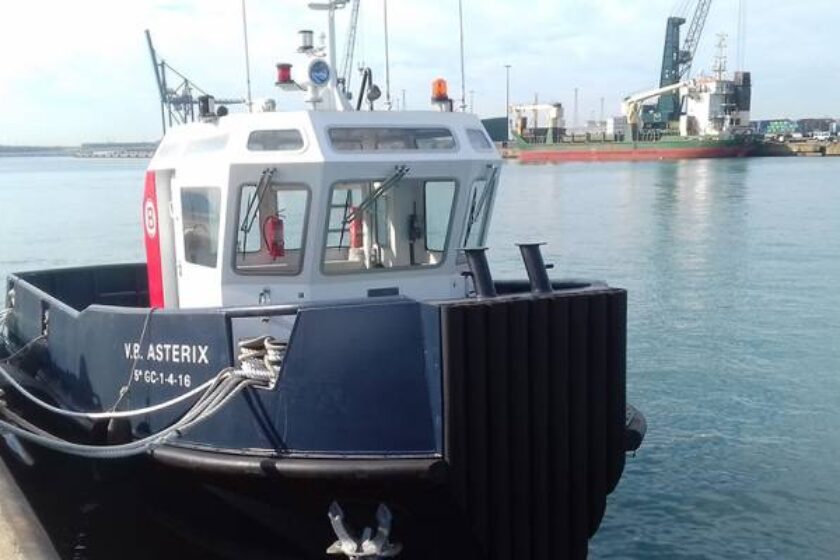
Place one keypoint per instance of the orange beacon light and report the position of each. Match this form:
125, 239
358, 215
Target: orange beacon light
440, 90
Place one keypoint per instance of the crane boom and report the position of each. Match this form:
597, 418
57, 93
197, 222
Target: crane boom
692, 39
350, 47
156, 67
632, 104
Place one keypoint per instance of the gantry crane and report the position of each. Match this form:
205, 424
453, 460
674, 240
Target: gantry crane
178, 94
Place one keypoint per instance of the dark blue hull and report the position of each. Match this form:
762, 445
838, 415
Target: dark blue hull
497, 425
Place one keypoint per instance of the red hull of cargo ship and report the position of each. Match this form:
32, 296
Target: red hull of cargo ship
645, 154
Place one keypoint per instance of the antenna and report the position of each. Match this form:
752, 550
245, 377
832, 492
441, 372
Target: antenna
387, 60
247, 57
742, 34
507, 100
463, 79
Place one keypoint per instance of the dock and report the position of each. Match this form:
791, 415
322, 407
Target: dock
798, 148
22, 537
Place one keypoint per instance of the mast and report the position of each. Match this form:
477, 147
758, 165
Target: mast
339, 99
720, 58
247, 55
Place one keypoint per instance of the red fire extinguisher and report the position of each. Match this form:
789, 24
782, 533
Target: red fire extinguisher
356, 229
275, 237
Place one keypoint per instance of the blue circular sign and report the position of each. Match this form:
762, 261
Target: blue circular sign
319, 73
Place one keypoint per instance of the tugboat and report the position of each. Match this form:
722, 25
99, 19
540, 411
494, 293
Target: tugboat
316, 328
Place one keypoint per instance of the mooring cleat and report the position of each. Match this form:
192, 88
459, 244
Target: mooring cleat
345, 544
369, 546
380, 546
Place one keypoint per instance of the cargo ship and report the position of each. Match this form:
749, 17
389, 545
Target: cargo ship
713, 122
652, 150
683, 118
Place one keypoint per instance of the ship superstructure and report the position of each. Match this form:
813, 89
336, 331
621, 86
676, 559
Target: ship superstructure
716, 107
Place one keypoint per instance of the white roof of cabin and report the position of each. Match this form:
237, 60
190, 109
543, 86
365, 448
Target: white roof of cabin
226, 139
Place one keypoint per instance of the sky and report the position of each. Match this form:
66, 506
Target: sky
73, 72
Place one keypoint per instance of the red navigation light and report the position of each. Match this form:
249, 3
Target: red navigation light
440, 90
284, 73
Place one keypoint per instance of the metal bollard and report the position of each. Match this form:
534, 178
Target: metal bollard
483, 281
534, 264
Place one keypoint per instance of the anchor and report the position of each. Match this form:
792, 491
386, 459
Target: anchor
369, 546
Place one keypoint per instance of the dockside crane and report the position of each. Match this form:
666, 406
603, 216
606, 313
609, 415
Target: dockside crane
177, 93
676, 60
346, 72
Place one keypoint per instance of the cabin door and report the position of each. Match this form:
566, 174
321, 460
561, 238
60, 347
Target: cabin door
197, 213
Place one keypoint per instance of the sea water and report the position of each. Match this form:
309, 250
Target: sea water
733, 273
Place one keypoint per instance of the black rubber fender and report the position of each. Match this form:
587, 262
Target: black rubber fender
635, 429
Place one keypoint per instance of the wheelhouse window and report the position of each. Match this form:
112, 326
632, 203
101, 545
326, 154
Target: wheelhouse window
438, 202
363, 139
478, 140
389, 223
200, 221
275, 140
271, 228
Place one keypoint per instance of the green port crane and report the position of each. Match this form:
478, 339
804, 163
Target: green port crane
676, 61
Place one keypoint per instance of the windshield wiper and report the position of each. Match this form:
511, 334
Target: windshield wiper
387, 184
477, 207
253, 204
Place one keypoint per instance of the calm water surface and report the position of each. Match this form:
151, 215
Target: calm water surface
733, 270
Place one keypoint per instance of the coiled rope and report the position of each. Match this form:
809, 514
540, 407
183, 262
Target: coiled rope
4, 315
261, 359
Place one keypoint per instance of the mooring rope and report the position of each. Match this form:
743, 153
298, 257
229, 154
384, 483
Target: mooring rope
125, 388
